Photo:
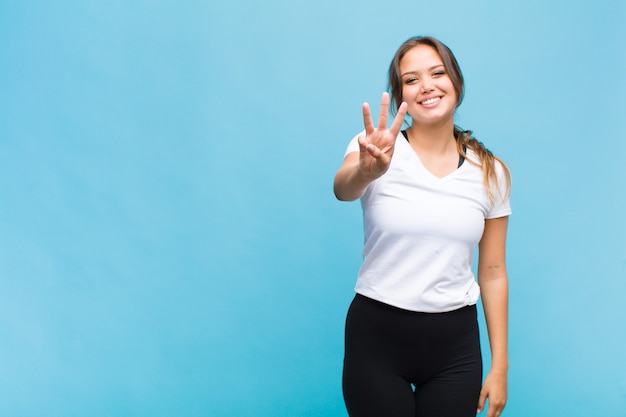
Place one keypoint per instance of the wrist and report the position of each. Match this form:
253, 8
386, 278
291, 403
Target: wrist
365, 176
499, 368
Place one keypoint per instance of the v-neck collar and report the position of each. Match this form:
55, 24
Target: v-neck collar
408, 148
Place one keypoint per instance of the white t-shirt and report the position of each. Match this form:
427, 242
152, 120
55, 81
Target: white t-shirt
421, 232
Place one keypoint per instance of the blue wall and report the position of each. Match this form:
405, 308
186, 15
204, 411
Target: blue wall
169, 241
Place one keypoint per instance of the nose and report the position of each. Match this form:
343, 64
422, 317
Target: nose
427, 85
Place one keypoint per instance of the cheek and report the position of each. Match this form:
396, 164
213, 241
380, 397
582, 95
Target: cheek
447, 85
448, 88
408, 91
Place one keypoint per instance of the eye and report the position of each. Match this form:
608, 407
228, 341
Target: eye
439, 73
411, 80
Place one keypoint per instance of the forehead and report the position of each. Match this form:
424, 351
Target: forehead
420, 57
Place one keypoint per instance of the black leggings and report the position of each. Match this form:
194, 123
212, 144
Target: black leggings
400, 363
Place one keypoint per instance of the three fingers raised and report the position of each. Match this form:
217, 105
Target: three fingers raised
368, 122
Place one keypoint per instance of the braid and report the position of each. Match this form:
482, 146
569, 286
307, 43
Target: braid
465, 140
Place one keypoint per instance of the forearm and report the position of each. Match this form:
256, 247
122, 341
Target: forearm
350, 183
494, 294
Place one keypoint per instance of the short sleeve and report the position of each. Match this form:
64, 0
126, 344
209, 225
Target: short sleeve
501, 206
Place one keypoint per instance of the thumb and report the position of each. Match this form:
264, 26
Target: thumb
374, 150
481, 401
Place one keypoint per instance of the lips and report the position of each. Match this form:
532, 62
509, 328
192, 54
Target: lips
430, 101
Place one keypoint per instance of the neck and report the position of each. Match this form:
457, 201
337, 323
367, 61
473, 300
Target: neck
432, 138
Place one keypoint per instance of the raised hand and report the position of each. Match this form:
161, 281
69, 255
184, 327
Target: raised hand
377, 143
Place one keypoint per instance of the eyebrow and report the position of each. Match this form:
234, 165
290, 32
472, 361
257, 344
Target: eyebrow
429, 69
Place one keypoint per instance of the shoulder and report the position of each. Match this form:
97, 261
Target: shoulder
472, 156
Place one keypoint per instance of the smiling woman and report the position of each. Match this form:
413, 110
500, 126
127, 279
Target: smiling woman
411, 341
426, 88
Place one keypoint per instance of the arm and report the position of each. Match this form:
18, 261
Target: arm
376, 147
350, 182
493, 281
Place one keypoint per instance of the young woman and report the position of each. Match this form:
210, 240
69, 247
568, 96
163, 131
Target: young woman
430, 194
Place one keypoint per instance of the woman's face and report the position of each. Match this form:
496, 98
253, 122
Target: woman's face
426, 86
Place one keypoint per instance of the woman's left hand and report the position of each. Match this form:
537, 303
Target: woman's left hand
495, 389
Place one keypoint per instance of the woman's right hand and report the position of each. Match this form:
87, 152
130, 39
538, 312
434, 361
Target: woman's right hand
377, 143
375, 151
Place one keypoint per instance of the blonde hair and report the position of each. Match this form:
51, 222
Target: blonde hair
464, 138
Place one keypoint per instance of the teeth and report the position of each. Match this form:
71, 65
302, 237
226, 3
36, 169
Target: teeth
431, 100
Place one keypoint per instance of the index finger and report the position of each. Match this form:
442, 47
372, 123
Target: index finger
396, 125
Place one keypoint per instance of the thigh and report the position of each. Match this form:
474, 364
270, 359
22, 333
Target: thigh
377, 394
372, 383
454, 395
454, 390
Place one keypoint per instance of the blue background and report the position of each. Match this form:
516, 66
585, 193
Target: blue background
169, 241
